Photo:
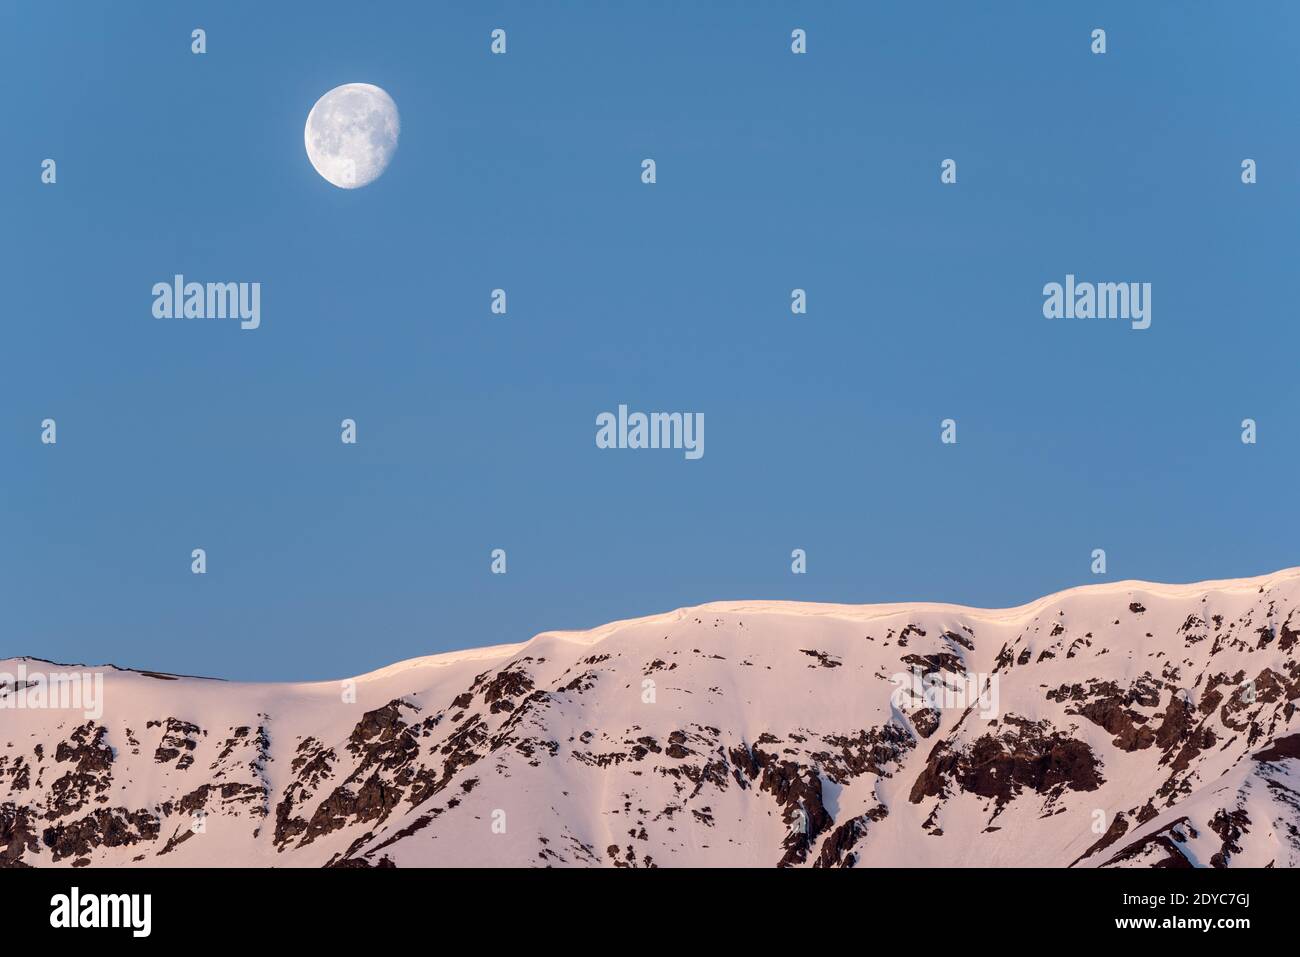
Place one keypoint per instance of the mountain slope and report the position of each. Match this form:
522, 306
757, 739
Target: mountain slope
1126, 724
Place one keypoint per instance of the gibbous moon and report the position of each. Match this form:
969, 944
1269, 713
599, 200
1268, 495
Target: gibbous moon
351, 134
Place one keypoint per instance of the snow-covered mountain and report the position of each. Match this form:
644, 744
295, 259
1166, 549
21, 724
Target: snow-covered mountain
1125, 724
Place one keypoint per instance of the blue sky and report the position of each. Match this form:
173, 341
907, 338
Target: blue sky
522, 171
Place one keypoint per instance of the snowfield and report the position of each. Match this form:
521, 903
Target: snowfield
1125, 724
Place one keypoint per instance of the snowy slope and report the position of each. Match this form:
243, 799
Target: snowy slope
1126, 724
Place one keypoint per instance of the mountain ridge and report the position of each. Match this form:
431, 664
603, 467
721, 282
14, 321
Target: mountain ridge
1117, 724
482, 652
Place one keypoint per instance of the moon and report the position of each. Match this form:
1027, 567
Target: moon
351, 134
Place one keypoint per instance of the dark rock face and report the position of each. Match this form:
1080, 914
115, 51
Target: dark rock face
499, 693
115, 827
1230, 826
798, 792
1118, 710
1026, 757
1280, 750
179, 739
1162, 849
1129, 727
1118, 828
823, 659
837, 849
373, 800
18, 835
876, 751
89, 776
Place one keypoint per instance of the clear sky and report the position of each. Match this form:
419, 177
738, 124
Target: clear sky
523, 172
